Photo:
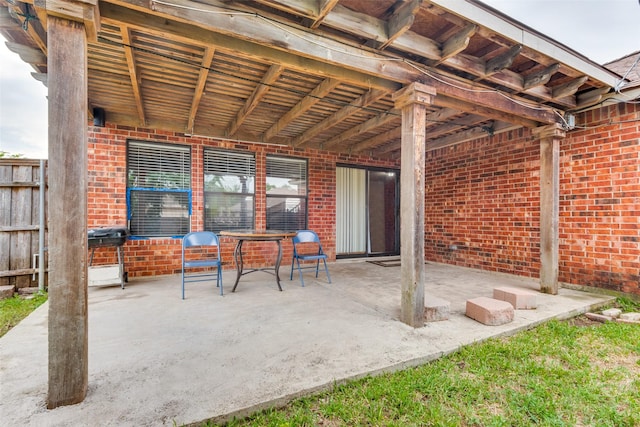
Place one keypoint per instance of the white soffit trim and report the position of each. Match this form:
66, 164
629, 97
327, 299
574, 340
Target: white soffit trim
528, 37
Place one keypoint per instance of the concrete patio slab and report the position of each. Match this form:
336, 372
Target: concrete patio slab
157, 360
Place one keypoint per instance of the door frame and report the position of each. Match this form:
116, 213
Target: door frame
396, 208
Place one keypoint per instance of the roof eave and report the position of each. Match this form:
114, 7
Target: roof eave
494, 20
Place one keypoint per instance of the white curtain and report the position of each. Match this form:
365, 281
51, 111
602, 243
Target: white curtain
351, 227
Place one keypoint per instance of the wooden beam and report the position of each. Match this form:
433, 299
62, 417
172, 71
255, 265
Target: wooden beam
440, 115
459, 42
569, 88
67, 213
469, 135
550, 137
490, 99
473, 108
28, 54
301, 42
307, 8
199, 88
412, 101
256, 37
34, 28
133, 73
506, 78
41, 77
142, 19
367, 99
85, 12
377, 140
541, 77
6, 21
400, 21
326, 6
272, 74
375, 29
316, 95
410, 42
502, 61
538, 48
375, 122
454, 125
591, 97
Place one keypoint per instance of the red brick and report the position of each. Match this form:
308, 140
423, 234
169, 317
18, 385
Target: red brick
489, 311
519, 298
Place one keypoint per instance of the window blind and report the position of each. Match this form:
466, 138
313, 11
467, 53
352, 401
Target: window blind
158, 189
286, 193
229, 181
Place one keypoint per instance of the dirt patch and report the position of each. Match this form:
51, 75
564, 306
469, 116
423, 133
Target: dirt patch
583, 321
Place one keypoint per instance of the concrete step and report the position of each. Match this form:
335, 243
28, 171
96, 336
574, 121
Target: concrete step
489, 311
520, 299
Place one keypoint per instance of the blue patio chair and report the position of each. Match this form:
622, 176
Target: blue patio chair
307, 247
209, 257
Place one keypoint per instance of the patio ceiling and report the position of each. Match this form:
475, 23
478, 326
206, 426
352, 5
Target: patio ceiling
316, 73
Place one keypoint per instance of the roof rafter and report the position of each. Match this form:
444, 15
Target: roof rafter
315, 96
569, 88
437, 116
366, 99
470, 134
133, 72
272, 74
199, 89
400, 21
541, 77
325, 6
317, 47
142, 18
459, 42
502, 61
375, 122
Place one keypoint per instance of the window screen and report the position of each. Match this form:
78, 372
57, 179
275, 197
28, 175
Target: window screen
286, 194
229, 190
158, 189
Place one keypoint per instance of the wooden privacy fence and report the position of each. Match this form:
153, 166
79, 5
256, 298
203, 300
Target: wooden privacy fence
22, 210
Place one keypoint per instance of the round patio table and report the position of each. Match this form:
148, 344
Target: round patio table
257, 236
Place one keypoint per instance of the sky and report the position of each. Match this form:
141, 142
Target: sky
601, 30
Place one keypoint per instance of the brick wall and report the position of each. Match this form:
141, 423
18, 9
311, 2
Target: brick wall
156, 256
482, 202
482, 207
600, 200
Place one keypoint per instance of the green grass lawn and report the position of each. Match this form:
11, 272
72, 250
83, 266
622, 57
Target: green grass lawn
563, 373
13, 310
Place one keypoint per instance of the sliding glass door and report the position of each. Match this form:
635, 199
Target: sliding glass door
366, 212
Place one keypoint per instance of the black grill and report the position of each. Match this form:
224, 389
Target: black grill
107, 237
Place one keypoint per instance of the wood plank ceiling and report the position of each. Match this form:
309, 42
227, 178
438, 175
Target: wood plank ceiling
308, 73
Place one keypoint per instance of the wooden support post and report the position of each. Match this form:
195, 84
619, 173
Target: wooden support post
412, 101
550, 137
67, 83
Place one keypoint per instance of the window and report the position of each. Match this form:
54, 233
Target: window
286, 194
158, 189
229, 190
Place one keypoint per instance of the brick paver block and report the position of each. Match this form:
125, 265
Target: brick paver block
489, 311
520, 299
436, 309
6, 291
